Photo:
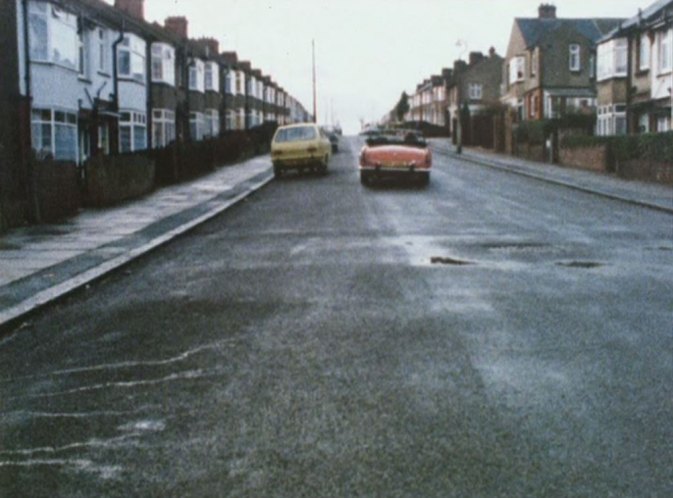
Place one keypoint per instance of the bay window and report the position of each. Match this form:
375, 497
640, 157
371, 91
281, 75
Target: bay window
131, 58
163, 64
612, 59
229, 82
196, 76
55, 132
163, 127
53, 35
212, 77
196, 125
212, 123
230, 120
132, 131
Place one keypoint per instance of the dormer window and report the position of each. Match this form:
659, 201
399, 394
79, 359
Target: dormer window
574, 59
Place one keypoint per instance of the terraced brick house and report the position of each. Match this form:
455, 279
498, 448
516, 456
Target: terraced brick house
549, 68
475, 88
634, 73
234, 89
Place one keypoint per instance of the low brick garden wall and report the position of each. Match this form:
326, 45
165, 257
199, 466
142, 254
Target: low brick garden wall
593, 158
56, 189
112, 179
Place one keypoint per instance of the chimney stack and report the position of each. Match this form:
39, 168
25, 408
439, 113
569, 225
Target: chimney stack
210, 45
475, 57
135, 8
230, 57
491, 52
177, 25
546, 11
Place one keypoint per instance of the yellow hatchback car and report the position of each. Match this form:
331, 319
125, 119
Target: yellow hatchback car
300, 147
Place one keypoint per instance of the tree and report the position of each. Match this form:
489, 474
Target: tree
402, 107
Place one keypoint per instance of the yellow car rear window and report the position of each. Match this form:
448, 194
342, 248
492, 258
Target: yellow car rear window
296, 134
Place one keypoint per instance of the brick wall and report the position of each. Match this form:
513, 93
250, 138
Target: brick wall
594, 158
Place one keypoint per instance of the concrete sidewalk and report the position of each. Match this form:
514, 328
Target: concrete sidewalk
650, 195
40, 264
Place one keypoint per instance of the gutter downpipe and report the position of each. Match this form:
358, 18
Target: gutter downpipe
115, 80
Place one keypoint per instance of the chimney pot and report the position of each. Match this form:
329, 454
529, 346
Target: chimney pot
546, 11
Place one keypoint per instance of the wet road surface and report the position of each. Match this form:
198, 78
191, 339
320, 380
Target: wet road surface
322, 339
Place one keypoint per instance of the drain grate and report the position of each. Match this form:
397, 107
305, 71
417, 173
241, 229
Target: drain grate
443, 260
580, 264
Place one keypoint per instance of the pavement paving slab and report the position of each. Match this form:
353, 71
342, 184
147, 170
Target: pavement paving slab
40, 264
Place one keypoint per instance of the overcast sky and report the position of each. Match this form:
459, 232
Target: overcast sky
367, 51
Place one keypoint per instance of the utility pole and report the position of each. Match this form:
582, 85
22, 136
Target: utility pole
315, 102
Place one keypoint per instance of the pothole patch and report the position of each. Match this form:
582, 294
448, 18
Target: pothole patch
580, 264
444, 260
514, 246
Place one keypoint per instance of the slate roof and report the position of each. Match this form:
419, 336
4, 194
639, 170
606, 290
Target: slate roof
533, 29
647, 14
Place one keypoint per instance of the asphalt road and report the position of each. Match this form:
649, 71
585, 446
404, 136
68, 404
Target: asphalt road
489, 335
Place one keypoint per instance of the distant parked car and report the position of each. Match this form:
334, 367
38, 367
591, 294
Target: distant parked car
403, 156
300, 147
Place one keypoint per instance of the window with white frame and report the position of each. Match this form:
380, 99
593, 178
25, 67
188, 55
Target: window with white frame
230, 120
163, 63
102, 50
663, 124
240, 119
212, 77
240, 81
475, 91
612, 59
131, 58
55, 132
644, 52
664, 50
516, 69
196, 126
212, 123
83, 52
132, 131
163, 127
251, 86
53, 35
611, 120
196, 76
574, 58
229, 82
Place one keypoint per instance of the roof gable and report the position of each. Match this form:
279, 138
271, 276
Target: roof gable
534, 29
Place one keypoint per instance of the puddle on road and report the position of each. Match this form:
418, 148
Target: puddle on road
580, 264
443, 260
